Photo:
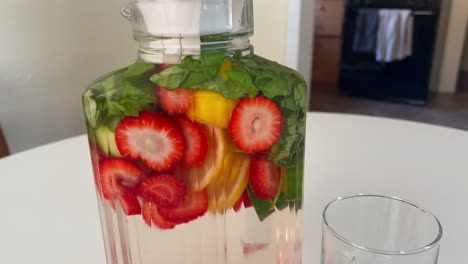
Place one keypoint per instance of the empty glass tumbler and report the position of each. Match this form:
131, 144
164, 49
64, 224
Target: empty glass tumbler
374, 229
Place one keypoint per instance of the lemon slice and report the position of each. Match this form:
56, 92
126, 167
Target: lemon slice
225, 67
211, 108
198, 178
230, 183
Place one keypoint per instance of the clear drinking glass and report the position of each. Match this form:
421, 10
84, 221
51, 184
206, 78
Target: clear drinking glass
374, 229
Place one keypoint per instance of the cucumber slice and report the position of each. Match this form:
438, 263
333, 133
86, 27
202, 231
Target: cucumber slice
106, 141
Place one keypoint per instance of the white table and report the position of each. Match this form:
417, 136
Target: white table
49, 212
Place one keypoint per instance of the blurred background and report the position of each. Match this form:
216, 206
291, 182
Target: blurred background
52, 49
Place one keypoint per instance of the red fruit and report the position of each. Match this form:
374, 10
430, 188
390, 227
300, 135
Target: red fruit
117, 175
264, 177
151, 216
163, 190
151, 137
194, 205
255, 124
196, 142
158, 220
146, 213
130, 204
246, 199
238, 205
174, 102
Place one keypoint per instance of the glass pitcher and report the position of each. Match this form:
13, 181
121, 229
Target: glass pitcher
198, 147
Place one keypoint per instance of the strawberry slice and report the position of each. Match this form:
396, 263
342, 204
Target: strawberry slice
146, 212
164, 190
130, 204
196, 142
238, 205
151, 216
159, 221
151, 137
255, 124
246, 200
264, 177
117, 175
194, 205
174, 102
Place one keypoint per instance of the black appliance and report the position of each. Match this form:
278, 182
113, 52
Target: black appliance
403, 81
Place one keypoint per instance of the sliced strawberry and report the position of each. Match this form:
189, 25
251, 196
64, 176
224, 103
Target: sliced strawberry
196, 142
146, 212
264, 177
246, 200
174, 102
238, 205
151, 216
118, 174
164, 190
158, 220
255, 124
194, 205
130, 204
151, 137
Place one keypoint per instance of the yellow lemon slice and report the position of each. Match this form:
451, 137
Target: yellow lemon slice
225, 67
198, 178
230, 183
211, 108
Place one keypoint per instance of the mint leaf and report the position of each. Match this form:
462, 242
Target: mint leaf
291, 142
282, 202
244, 80
262, 208
171, 78
275, 87
138, 69
122, 93
226, 88
294, 180
191, 72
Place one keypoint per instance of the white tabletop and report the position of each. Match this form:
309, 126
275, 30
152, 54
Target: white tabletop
49, 211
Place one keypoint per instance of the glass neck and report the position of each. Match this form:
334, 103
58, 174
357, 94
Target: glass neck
172, 50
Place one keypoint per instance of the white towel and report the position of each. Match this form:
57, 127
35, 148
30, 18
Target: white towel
395, 35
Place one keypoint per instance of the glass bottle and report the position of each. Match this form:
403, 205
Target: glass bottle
198, 147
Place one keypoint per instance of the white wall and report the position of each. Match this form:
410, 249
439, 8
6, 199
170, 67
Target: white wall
271, 26
49, 52
300, 36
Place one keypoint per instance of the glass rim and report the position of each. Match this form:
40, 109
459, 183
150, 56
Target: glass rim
431, 245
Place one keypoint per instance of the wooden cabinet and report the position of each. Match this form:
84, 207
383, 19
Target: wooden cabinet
328, 26
326, 63
329, 15
333, 8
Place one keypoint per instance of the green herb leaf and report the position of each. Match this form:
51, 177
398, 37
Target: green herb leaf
244, 80
294, 180
137, 70
191, 72
262, 208
282, 202
122, 93
226, 88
